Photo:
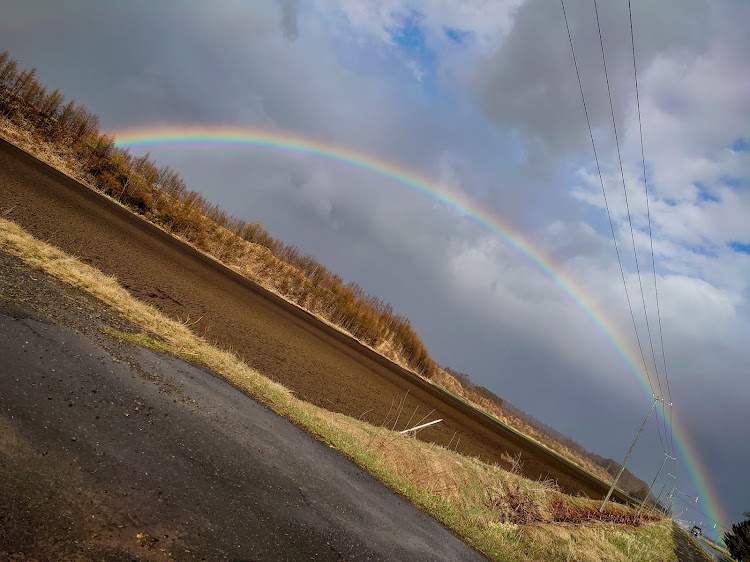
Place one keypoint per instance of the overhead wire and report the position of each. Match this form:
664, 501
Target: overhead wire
648, 214
606, 204
690, 505
630, 224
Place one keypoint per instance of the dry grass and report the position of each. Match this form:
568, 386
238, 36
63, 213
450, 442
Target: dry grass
502, 514
449, 383
21, 136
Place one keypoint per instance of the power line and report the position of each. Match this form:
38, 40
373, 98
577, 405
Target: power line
648, 214
604, 195
611, 224
690, 505
630, 221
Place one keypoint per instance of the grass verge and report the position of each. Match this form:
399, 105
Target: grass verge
502, 514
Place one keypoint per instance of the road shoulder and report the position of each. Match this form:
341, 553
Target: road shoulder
687, 549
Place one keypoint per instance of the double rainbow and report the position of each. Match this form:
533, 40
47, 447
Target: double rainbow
291, 143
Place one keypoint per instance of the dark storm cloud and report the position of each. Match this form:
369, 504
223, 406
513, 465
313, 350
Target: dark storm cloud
530, 84
289, 18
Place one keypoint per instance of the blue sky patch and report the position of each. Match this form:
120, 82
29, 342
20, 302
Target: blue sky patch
702, 246
741, 145
733, 181
706, 248
456, 35
410, 39
740, 247
704, 194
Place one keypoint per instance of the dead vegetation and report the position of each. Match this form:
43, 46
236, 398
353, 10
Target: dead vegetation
67, 136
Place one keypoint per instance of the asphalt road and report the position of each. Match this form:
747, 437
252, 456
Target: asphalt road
715, 554
694, 550
109, 451
284, 343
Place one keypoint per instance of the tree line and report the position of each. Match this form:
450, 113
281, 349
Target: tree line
162, 196
738, 539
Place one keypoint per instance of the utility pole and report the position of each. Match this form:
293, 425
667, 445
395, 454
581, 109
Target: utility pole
662, 488
666, 456
668, 500
622, 468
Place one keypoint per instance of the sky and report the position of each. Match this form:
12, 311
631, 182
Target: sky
481, 97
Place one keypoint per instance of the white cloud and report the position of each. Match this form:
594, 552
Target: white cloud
485, 20
697, 309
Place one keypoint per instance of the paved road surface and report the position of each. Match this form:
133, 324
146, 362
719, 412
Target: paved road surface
717, 556
101, 442
689, 550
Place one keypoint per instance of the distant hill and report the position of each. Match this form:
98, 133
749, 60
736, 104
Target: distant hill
629, 482
534, 427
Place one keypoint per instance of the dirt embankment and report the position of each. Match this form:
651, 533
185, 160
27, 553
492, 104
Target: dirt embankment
318, 363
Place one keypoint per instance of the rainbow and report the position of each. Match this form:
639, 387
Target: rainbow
292, 143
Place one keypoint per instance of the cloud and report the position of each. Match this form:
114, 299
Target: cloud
529, 84
482, 20
289, 18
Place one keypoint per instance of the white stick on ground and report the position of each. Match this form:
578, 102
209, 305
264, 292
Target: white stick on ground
421, 426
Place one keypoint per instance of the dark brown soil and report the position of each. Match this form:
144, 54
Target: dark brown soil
318, 363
